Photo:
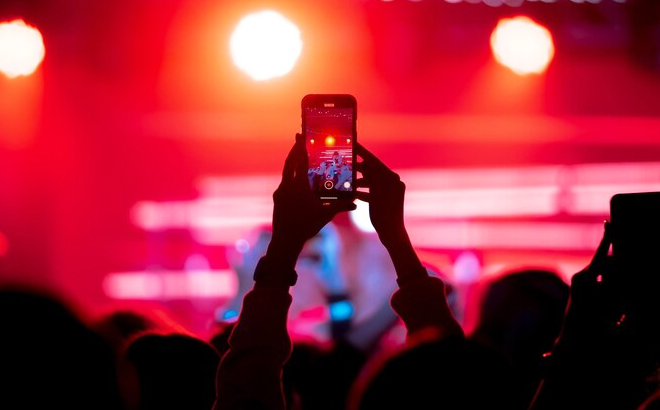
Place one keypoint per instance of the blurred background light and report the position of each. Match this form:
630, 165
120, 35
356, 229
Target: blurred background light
141, 150
522, 45
21, 48
265, 45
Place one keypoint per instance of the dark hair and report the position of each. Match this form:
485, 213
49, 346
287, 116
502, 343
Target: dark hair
451, 373
51, 358
175, 371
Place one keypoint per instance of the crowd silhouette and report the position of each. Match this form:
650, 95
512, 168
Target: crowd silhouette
539, 342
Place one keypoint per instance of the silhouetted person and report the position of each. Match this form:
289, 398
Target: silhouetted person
437, 367
174, 371
607, 354
50, 357
334, 323
520, 316
250, 373
120, 325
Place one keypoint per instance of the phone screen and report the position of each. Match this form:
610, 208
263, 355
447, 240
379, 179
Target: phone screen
329, 126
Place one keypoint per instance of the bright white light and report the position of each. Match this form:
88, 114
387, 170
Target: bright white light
21, 48
522, 45
360, 217
265, 45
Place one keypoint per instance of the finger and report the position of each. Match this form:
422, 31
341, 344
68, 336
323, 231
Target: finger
347, 206
289, 164
362, 196
603, 248
361, 183
367, 155
302, 160
359, 167
363, 152
342, 206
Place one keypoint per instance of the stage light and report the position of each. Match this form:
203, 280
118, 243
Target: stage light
21, 48
265, 45
522, 45
330, 141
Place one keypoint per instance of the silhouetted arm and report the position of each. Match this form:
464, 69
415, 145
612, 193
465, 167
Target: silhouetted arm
250, 373
593, 363
421, 300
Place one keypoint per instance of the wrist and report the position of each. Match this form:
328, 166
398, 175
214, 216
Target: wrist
271, 271
284, 252
394, 238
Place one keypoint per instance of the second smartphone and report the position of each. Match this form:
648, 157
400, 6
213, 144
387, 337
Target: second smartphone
329, 126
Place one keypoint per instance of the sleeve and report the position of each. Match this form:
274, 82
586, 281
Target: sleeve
250, 373
422, 304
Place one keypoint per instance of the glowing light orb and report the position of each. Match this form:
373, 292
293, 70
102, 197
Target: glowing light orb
330, 141
21, 48
265, 45
522, 45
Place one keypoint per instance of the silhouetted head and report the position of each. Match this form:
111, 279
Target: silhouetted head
453, 373
119, 325
520, 316
521, 313
50, 357
174, 371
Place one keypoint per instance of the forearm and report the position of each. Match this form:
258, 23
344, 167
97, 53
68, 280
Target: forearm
422, 304
421, 300
404, 258
599, 373
259, 346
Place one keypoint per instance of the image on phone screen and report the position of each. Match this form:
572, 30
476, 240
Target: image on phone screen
329, 140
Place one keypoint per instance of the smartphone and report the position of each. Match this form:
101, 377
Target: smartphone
635, 224
329, 126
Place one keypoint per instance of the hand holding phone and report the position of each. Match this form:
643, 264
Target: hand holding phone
635, 219
329, 127
635, 224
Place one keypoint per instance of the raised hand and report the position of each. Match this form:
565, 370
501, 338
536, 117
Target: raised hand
385, 197
298, 214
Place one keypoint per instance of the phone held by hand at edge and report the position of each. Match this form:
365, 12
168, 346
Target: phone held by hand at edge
635, 223
329, 127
